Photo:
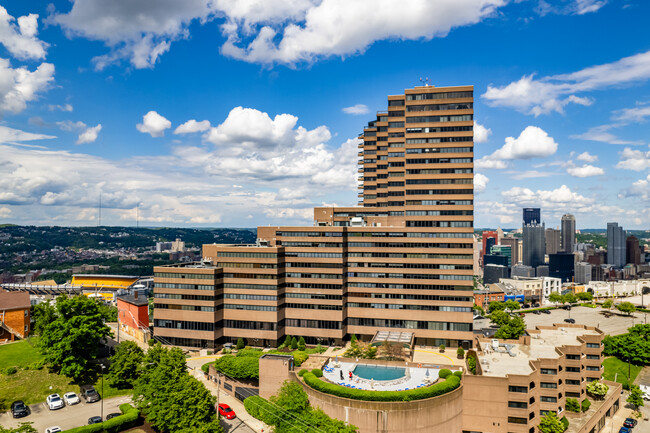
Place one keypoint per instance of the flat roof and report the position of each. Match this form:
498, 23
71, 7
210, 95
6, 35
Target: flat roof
501, 363
142, 300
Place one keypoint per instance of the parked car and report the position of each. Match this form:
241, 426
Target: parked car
546, 311
226, 411
537, 312
535, 305
625, 430
19, 409
570, 320
53, 429
71, 398
54, 401
525, 306
89, 394
94, 420
567, 307
112, 415
629, 423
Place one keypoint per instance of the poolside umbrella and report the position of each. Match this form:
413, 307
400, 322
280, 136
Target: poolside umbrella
427, 373
372, 383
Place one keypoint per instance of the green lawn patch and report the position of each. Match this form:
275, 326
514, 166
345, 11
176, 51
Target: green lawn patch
19, 354
613, 365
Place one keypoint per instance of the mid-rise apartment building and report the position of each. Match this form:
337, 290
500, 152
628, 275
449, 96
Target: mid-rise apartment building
401, 261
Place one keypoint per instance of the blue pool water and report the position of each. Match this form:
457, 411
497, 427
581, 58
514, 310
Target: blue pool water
378, 372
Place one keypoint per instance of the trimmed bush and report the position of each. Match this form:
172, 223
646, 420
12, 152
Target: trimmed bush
92, 428
11, 370
299, 357
565, 422
458, 373
240, 343
585, 405
317, 372
442, 347
301, 344
572, 405
128, 419
440, 388
206, 367
460, 352
302, 372
238, 367
442, 374
471, 363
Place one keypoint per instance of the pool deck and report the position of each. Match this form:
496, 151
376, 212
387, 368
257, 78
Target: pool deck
413, 379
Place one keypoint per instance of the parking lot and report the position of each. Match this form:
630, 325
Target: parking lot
616, 324
67, 417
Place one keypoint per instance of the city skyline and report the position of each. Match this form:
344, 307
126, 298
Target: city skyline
178, 117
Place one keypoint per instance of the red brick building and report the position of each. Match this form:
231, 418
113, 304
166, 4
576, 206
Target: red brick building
482, 298
133, 315
14, 315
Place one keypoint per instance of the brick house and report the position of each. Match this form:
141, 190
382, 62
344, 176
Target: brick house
133, 315
14, 315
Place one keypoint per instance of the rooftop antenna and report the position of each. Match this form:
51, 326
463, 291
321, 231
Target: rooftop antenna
425, 81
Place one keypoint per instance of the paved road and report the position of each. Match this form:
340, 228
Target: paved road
67, 417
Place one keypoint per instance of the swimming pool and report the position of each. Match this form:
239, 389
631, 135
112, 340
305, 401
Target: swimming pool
378, 372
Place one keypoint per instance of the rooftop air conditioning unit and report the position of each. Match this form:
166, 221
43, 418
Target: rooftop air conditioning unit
357, 222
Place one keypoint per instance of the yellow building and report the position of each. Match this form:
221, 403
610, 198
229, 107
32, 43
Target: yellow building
102, 286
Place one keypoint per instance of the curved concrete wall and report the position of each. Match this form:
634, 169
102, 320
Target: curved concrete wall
443, 413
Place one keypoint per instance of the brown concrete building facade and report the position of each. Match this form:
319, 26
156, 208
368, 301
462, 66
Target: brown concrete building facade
401, 261
15, 316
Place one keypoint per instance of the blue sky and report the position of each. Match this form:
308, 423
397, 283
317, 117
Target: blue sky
246, 113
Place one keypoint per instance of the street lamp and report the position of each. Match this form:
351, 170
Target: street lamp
102, 396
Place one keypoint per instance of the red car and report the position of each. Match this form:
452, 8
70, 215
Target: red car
225, 410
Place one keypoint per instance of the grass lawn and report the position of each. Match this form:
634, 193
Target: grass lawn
613, 365
32, 386
19, 354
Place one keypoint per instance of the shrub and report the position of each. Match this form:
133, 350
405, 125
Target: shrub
93, 428
240, 343
294, 343
471, 363
442, 347
11, 370
460, 352
442, 374
128, 419
317, 372
565, 422
206, 367
585, 405
248, 352
458, 373
244, 367
299, 357
151, 342
301, 344
439, 388
287, 341
302, 372
38, 365
572, 405
261, 409
320, 348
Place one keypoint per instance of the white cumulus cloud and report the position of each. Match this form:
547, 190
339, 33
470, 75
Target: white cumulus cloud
64, 107
192, 126
20, 86
357, 109
587, 157
481, 133
480, 182
153, 124
4, 212
19, 36
553, 93
89, 135
533, 142
585, 171
11, 135
636, 160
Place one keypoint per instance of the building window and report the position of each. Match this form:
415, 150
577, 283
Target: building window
548, 399
516, 420
548, 371
518, 404
517, 388
593, 345
548, 385
593, 368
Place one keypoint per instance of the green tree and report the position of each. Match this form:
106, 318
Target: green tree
635, 345
572, 405
370, 352
569, 298
608, 304
240, 343
70, 342
125, 365
597, 389
500, 317
239, 367
301, 344
585, 296
287, 341
294, 343
43, 314
353, 339
555, 298
636, 397
513, 329
550, 424
626, 307
170, 399
496, 306
512, 305
24, 427
478, 309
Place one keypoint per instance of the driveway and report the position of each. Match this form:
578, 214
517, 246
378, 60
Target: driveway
68, 417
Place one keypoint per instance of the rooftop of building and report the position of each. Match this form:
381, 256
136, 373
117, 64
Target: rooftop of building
131, 299
515, 358
14, 300
191, 265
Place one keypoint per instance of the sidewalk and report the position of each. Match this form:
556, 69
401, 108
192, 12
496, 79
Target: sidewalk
253, 423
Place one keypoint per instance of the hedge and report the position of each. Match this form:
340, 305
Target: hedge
302, 372
565, 422
128, 419
442, 374
585, 405
261, 409
452, 382
458, 373
317, 372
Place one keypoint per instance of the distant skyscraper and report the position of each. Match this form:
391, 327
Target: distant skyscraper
632, 250
489, 238
534, 245
568, 233
552, 241
583, 272
492, 273
514, 244
615, 245
532, 215
505, 250
561, 265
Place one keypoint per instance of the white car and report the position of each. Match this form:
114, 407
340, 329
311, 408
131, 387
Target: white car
54, 401
54, 429
71, 398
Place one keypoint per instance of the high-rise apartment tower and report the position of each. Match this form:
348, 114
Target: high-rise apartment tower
400, 262
615, 245
532, 216
568, 233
